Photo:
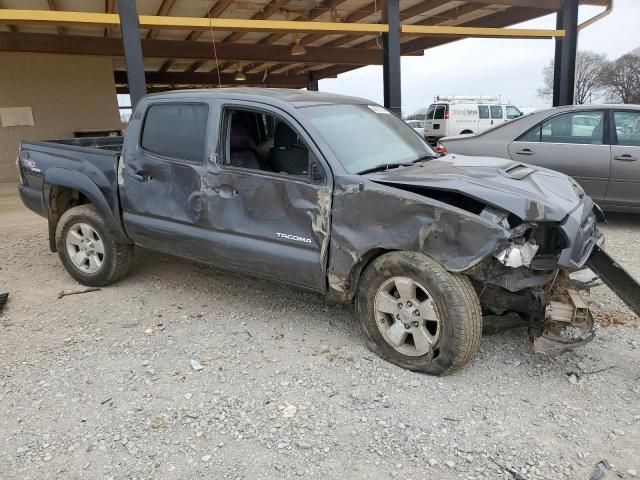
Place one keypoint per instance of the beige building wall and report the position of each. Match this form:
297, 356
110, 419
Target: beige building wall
65, 93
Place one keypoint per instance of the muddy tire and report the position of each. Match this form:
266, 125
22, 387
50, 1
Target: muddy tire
415, 314
87, 249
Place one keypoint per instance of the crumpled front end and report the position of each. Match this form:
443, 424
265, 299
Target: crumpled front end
532, 276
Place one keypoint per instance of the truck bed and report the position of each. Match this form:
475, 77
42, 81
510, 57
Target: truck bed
66, 162
113, 143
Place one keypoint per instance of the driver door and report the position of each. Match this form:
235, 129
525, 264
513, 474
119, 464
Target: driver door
269, 198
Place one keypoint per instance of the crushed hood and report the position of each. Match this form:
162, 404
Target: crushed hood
530, 192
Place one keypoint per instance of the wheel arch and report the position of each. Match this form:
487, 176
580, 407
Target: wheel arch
65, 189
346, 293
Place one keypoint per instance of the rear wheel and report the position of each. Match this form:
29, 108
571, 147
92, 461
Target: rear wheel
88, 251
415, 314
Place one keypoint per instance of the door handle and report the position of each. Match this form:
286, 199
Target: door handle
225, 191
625, 158
140, 176
525, 151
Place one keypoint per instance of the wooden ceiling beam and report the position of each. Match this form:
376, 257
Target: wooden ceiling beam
163, 10
262, 14
244, 52
215, 11
496, 20
356, 16
208, 78
109, 7
52, 7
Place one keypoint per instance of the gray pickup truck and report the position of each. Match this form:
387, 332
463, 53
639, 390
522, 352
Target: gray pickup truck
337, 195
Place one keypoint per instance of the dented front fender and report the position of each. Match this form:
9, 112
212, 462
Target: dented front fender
370, 217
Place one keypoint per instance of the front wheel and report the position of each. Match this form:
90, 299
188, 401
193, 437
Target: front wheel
415, 314
87, 249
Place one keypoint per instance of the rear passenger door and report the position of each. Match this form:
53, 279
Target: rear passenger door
571, 144
484, 121
497, 114
160, 180
269, 197
624, 186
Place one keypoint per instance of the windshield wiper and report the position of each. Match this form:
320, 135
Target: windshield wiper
422, 158
384, 166
387, 166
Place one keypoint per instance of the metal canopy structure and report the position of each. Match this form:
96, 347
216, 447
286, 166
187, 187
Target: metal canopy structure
279, 43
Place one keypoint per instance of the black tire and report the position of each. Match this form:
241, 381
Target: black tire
457, 305
116, 260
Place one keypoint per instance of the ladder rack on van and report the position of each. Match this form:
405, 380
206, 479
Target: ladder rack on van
460, 99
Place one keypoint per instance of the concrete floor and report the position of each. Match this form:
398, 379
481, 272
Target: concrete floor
13, 213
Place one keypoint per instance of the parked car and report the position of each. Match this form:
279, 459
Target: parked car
330, 193
417, 125
465, 115
598, 145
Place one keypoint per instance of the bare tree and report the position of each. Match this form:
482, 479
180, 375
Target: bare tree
622, 78
589, 85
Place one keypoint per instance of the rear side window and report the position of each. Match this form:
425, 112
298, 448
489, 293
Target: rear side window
483, 111
176, 131
430, 110
496, 111
439, 113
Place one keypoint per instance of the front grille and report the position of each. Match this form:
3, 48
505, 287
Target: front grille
588, 229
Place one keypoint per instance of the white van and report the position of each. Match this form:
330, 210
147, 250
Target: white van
449, 116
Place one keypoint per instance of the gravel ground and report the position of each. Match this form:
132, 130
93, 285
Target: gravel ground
185, 371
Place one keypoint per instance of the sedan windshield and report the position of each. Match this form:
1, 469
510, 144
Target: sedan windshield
363, 137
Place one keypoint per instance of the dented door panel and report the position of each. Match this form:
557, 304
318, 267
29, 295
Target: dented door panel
270, 225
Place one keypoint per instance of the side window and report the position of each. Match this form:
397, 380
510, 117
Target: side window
513, 112
627, 128
176, 131
496, 111
430, 111
483, 111
532, 135
439, 113
578, 127
261, 141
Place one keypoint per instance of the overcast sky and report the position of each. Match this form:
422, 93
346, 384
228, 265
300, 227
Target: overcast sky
507, 67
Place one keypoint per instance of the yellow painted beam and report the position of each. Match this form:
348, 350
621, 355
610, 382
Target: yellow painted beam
188, 23
241, 25
444, 31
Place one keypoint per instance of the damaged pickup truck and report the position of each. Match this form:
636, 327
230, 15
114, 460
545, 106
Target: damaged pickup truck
333, 194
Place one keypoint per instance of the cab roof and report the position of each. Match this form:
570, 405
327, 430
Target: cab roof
297, 98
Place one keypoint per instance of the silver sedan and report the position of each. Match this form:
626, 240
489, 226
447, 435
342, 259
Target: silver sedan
598, 145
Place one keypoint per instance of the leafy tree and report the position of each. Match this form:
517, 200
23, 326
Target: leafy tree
589, 80
621, 78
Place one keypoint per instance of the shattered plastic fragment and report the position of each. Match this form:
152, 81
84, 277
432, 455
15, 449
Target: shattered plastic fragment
516, 256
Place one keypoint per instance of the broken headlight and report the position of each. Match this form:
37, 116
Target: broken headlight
538, 247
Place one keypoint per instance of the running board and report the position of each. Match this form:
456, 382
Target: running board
616, 278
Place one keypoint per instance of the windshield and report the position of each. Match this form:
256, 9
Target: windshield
365, 136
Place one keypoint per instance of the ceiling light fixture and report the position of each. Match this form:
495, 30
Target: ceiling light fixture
297, 49
240, 76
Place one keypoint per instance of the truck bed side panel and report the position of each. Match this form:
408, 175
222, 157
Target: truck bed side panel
91, 171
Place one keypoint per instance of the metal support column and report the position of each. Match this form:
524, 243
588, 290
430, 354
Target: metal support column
557, 61
569, 51
130, 29
391, 57
312, 86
